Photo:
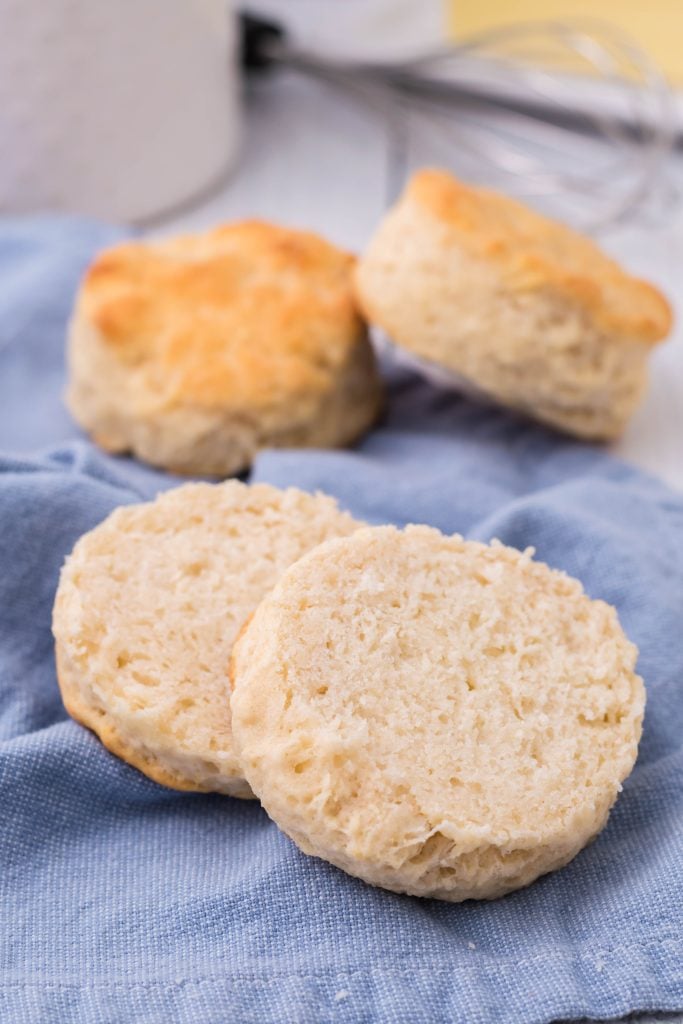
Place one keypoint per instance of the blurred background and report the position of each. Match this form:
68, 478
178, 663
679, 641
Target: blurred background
173, 115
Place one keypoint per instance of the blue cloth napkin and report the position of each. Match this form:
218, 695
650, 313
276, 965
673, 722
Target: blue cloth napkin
124, 901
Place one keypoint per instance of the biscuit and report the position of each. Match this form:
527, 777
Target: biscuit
526, 310
148, 606
436, 716
196, 352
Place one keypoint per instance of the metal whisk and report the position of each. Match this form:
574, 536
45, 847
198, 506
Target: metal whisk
571, 115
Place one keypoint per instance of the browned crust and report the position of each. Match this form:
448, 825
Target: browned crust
534, 252
240, 313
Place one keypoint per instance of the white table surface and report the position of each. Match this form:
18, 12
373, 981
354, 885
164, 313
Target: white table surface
315, 158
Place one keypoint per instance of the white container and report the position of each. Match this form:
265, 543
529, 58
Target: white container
120, 109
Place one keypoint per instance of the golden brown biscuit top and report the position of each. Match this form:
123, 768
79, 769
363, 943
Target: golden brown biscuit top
535, 253
250, 312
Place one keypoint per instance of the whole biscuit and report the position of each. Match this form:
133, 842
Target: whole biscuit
436, 716
520, 307
148, 606
196, 352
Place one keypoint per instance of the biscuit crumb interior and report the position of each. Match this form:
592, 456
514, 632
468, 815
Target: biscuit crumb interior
150, 603
436, 715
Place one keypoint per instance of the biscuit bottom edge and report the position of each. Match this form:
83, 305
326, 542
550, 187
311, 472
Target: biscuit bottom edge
97, 721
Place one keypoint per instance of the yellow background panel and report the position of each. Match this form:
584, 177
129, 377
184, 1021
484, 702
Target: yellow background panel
656, 26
